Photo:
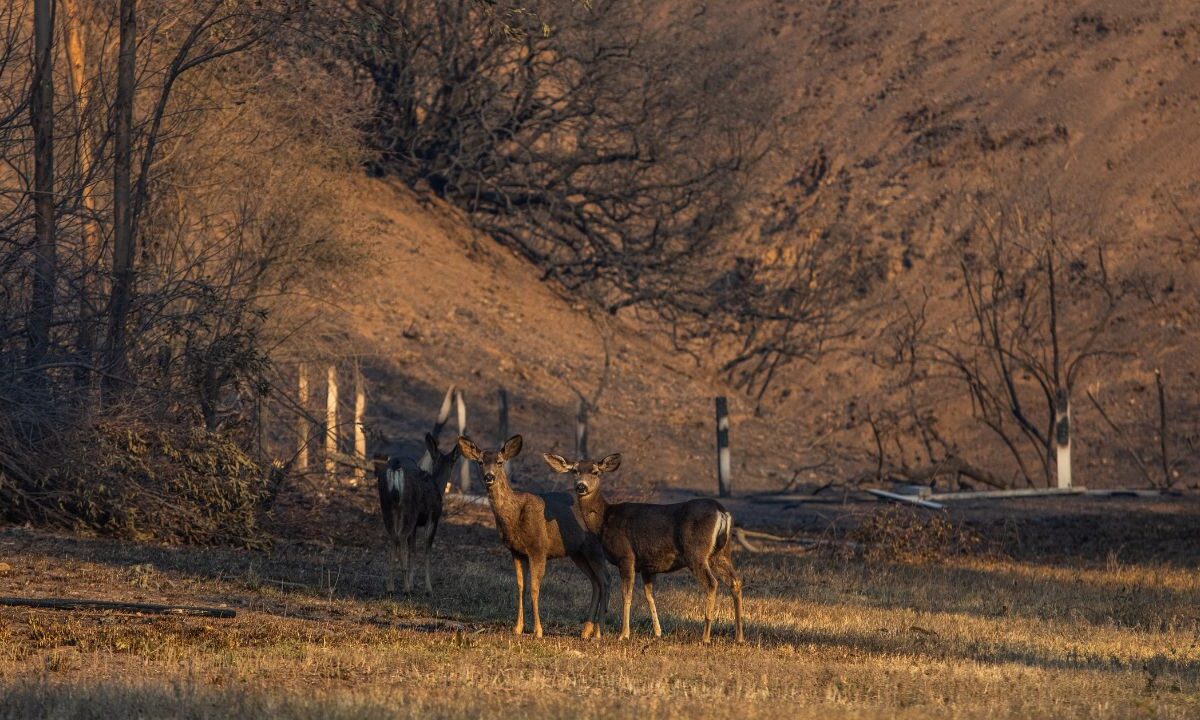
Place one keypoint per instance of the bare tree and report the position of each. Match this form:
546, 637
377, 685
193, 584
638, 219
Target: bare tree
121, 296
41, 113
1037, 303
595, 149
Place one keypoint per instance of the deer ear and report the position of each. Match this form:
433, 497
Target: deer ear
610, 463
469, 449
557, 463
431, 445
512, 447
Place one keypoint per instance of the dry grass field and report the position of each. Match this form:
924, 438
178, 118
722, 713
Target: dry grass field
829, 635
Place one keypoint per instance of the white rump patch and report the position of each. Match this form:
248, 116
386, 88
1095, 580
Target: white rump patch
721, 527
396, 480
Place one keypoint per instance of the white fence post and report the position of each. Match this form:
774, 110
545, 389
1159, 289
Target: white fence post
724, 482
1062, 436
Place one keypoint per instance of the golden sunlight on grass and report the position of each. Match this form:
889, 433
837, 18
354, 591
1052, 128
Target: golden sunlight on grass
828, 637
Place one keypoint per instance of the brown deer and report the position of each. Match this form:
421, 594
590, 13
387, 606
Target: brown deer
410, 497
651, 539
537, 528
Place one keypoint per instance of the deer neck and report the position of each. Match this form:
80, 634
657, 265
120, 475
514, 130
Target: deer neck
593, 508
503, 500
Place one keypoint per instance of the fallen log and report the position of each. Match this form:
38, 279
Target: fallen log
909, 499
151, 608
1002, 494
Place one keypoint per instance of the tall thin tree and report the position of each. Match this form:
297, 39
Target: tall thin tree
123, 239
73, 44
41, 116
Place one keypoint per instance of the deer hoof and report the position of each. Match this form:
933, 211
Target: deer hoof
589, 630
537, 632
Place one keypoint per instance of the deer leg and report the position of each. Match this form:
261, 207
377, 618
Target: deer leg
589, 627
604, 582
389, 584
708, 582
402, 551
537, 567
626, 596
520, 594
601, 569
433, 523
410, 553
648, 589
730, 576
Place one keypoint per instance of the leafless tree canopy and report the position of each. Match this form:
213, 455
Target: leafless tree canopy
1036, 302
152, 271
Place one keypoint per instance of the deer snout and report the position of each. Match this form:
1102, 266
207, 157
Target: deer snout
489, 477
581, 487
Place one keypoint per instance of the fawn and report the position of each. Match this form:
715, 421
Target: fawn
651, 539
536, 528
410, 497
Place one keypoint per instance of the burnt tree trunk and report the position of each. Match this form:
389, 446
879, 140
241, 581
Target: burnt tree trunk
41, 117
121, 297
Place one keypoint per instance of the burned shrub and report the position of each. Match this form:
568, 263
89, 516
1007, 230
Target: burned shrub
900, 534
131, 480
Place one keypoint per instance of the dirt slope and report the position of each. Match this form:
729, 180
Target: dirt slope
897, 109
893, 111
440, 304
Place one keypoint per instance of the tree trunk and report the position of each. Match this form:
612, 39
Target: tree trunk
41, 116
464, 468
331, 428
90, 233
302, 424
360, 433
123, 230
1062, 437
724, 466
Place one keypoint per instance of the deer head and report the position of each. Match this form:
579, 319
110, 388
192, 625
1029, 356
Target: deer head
585, 473
491, 463
441, 463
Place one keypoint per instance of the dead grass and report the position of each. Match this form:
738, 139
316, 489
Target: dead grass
828, 637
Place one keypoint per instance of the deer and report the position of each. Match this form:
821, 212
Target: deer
536, 528
649, 539
410, 498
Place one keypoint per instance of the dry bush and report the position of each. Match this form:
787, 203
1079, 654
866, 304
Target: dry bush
900, 534
173, 483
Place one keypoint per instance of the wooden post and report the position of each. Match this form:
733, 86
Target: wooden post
331, 428
724, 486
360, 433
581, 428
464, 469
1168, 479
302, 424
502, 423
1062, 436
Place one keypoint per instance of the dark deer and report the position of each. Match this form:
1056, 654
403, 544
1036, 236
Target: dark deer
651, 539
537, 528
410, 497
